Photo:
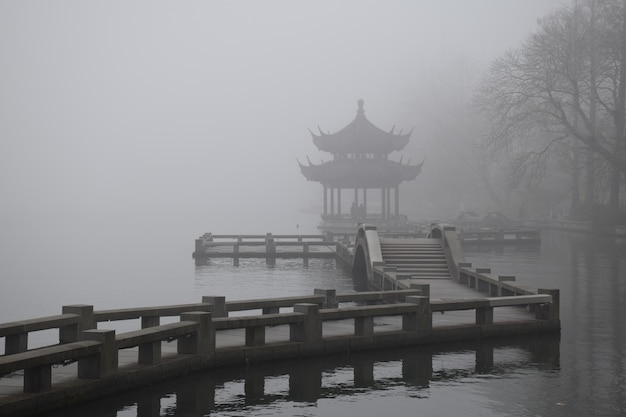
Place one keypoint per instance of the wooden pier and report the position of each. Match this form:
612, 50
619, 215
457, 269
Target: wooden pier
91, 362
418, 279
499, 235
268, 246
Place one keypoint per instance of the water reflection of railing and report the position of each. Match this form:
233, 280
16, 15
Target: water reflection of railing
235, 389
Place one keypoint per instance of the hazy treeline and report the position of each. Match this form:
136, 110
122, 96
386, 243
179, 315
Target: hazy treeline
542, 132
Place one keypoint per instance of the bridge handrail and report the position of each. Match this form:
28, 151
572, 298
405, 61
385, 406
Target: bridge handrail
37, 324
391, 295
49, 355
306, 327
476, 303
263, 303
262, 237
16, 333
155, 333
276, 243
152, 311
478, 278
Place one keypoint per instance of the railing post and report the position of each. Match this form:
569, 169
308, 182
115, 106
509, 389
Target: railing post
463, 278
16, 343
422, 318
501, 279
255, 336
104, 363
199, 247
484, 315
363, 326
549, 311
150, 321
219, 304
38, 379
270, 310
423, 288
202, 342
310, 330
270, 244
478, 279
149, 353
71, 333
331, 297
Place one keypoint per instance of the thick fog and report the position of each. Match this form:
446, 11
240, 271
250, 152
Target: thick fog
192, 113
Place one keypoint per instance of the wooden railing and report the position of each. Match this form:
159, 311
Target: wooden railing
501, 235
268, 246
97, 349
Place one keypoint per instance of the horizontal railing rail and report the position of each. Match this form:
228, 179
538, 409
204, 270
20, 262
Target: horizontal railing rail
196, 332
143, 312
159, 333
48, 356
275, 243
70, 324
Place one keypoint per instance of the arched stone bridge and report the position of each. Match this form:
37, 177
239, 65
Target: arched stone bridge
400, 260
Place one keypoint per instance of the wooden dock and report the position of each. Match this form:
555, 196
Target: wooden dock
419, 279
479, 236
266, 246
215, 334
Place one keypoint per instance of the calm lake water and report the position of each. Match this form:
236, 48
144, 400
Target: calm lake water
582, 373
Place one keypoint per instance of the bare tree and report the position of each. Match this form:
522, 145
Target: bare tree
565, 85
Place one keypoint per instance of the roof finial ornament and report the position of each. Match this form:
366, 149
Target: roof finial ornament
360, 103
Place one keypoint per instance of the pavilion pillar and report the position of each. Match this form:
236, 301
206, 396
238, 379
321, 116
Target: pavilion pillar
397, 190
332, 201
365, 202
325, 201
383, 205
339, 202
388, 202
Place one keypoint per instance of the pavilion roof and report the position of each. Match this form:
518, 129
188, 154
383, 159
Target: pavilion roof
361, 137
360, 172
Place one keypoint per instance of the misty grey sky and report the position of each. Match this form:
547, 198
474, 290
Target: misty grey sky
200, 108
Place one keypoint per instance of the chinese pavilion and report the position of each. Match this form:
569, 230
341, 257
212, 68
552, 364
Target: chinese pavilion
361, 163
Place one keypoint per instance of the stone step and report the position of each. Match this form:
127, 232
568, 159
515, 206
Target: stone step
422, 267
416, 262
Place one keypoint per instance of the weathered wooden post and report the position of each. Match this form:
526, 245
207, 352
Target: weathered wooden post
484, 316
16, 343
310, 329
255, 336
219, 304
478, 282
330, 297
38, 379
305, 253
202, 342
270, 245
150, 352
549, 311
104, 363
71, 333
501, 279
463, 277
422, 318
364, 326
199, 248
423, 288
